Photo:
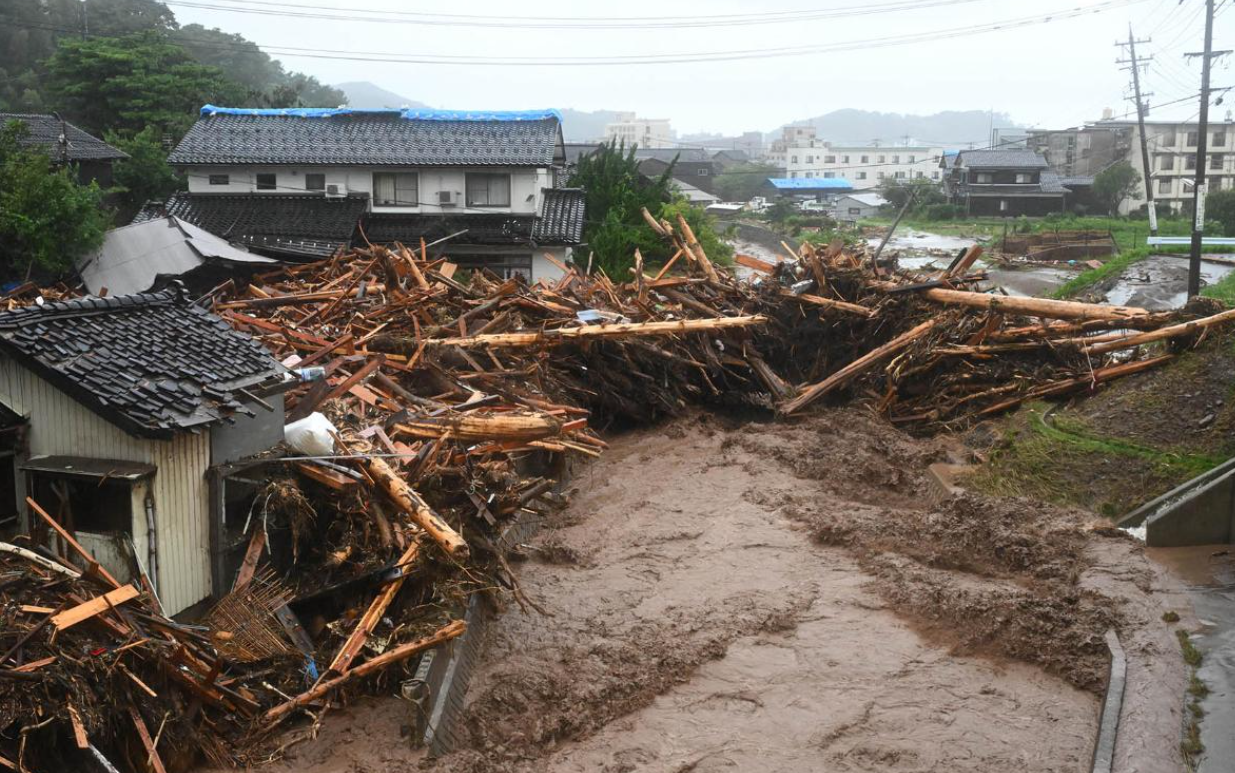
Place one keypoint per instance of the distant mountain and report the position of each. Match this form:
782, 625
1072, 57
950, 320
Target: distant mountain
951, 129
577, 125
366, 95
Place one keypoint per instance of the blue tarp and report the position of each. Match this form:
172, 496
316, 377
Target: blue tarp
408, 113
810, 183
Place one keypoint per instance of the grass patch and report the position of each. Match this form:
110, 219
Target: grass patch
1170, 617
1223, 290
1066, 462
1196, 688
1192, 656
1112, 268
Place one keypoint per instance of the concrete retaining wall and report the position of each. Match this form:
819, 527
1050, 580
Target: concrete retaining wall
1199, 512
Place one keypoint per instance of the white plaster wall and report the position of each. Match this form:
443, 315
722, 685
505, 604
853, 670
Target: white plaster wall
525, 184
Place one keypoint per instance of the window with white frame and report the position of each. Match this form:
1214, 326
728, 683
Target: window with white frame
1024, 178
912, 159
485, 189
315, 181
866, 159
1164, 186
983, 178
861, 175
396, 189
267, 181
220, 179
829, 175
1166, 162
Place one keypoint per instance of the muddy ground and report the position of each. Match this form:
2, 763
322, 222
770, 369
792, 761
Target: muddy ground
781, 597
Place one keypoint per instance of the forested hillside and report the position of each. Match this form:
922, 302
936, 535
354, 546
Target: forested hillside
32, 31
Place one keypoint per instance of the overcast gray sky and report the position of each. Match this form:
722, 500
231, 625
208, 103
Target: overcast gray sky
1052, 75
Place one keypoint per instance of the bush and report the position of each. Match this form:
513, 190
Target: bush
943, 212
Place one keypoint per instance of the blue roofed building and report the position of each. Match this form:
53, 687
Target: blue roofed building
818, 188
306, 182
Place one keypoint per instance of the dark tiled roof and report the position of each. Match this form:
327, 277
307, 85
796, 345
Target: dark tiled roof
45, 132
685, 155
495, 229
1077, 181
149, 363
292, 223
369, 139
1051, 182
1001, 159
561, 216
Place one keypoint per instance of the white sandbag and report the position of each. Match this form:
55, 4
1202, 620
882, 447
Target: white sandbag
311, 435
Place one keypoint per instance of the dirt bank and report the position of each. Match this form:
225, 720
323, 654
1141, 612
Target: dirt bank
785, 597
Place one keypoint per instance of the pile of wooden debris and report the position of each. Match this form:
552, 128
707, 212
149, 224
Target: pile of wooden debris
453, 403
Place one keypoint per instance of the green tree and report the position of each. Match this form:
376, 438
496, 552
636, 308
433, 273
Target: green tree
1220, 208
616, 195
126, 84
248, 65
145, 174
47, 218
1114, 184
743, 182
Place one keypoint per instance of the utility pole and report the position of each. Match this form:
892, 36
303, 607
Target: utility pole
1199, 188
1135, 67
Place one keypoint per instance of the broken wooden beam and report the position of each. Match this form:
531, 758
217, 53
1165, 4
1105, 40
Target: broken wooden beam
402, 652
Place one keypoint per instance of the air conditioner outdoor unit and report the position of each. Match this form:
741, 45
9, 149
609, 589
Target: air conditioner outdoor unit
335, 191
447, 198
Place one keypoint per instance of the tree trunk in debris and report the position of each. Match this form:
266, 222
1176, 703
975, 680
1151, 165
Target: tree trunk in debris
489, 426
1161, 334
420, 512
1036, 307
351, 648
617, 330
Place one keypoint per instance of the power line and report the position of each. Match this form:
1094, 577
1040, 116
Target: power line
382, 16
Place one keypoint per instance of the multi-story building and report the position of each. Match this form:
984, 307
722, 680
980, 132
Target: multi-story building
1083, 151
804, 136
1172, 158
306, 182
630, 130
865, 166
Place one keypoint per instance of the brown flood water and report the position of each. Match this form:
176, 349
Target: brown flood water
695, 620
1209, 574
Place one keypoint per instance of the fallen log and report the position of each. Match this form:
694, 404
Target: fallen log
1163, 333
1032, 307
482, 426
616, 330
420, 512
403, 652
829, 303
813, 392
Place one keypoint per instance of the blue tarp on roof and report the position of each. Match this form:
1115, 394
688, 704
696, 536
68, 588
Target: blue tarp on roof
810, 183
408, 113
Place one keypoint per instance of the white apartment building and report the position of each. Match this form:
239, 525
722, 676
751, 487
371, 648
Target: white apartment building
865, 166
630, 130
1172, 158
790, 137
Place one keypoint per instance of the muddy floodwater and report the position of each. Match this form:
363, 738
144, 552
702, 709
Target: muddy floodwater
1209, 574
790, 597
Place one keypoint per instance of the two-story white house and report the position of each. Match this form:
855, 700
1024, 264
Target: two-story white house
866, 166
307, 181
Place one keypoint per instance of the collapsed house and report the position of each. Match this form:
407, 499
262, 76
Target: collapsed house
66, 144
124, 417
305, 183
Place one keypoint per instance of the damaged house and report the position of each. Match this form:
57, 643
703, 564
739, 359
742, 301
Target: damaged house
125, 419
304, 183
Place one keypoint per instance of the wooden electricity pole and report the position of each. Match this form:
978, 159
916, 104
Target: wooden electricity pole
1135, 66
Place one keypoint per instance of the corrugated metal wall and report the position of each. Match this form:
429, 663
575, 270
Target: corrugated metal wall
59, 425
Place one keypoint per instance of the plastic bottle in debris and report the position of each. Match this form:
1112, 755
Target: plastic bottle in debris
315, 373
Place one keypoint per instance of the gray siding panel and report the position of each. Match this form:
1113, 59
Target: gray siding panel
59, 425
